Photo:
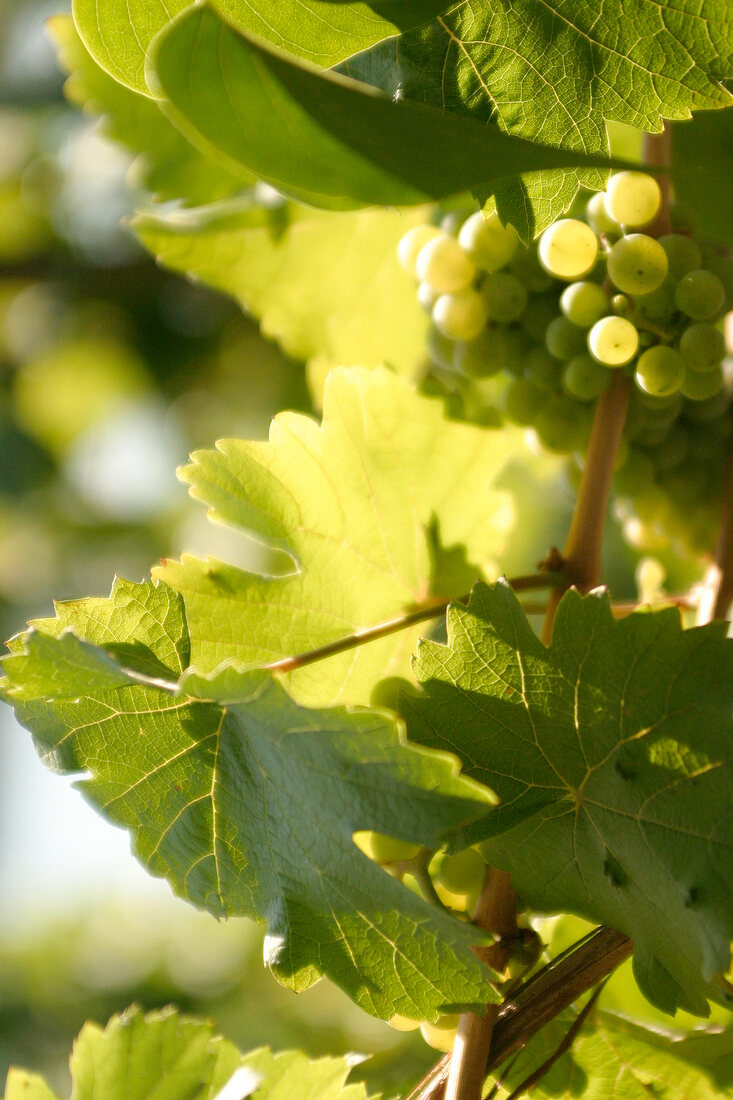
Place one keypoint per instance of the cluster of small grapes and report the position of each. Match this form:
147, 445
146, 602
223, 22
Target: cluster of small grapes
557, 319
456, 880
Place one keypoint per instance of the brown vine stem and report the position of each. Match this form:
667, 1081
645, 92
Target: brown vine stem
582, 554
431, 609
717, 587
496, 911
656, 149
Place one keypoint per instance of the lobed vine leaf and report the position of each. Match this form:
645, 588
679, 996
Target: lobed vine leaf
246, 802
167, 1056
167, 164
553, 71
321, 136
327, 287
118, 32
363, 505
610, 751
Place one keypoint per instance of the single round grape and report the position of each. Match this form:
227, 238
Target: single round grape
702, 347
440, 1035
427, 297
526, 266
637, 264
538, 315
444, 265
584, 303
411, 245
568, 249
584, 378
659, 307
490, 244
700, 295
633, 198
683, 254
403, 1023
543, 369
562, 425
384, 849
660, 370
706, 409
504, 296
699, 385
495, 348
722, 267
462, 873
598, 217
613, 341
522, 401
460, 316
451, 222
621, 304
563, 339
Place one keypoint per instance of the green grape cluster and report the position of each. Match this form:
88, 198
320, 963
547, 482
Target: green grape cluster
547, 325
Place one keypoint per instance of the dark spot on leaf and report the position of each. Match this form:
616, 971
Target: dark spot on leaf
692, 896
624, 770
614, 870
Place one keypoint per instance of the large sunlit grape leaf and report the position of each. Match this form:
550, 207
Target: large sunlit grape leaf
118, 32
552, 71
246, 802
327, 287
166, 1056
610, 752
315, 134
167, 164
362, 504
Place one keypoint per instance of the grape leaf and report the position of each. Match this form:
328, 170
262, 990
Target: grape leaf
327, 287
552, 71
320, 135
614, 1059
118, 32
167, 164
702, 163
167, 1056
247, 802
356, 504
610, 752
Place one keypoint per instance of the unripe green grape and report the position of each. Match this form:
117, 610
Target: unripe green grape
722, 267
660, 370
633, 198
543, 369
451, 222
460, 316
699, 385
683, 254
659, 307
490, 244
568, 249
495, 348
462, 873
621, 304
563, 339
522, 401
403, 1023
637, 264
441, 1034
700, 295
537, 316
504, 296
427, 297
646, 339
562, 425
702, 347
584, 378
444, 265
706, 409
412, 244
384, 849
598, 217
584, 303
613, 341
528, 269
